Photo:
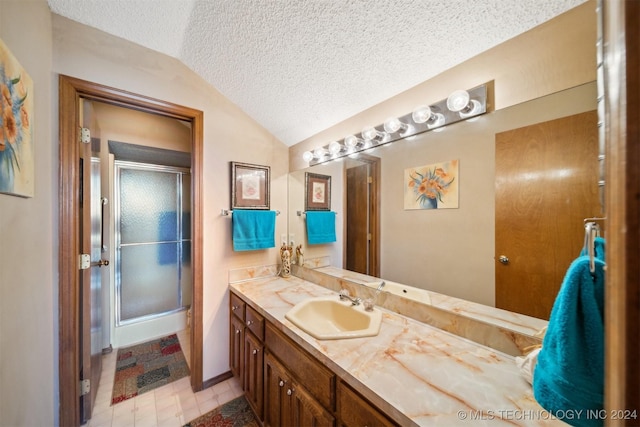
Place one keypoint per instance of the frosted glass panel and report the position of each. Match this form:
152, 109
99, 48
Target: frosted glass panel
185, 277
186, 206
148, 285
148, 204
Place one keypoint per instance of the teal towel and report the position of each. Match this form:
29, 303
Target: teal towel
253, 229
321, 227
568, 379
599, 245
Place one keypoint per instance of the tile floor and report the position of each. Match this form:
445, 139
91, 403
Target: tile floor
172, 405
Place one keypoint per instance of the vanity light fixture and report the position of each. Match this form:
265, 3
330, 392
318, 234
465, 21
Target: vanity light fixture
460, 105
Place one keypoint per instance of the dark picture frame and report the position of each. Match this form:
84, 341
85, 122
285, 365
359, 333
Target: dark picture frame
317, 192
250, 186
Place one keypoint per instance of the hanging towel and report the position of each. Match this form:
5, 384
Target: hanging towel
253, 229
321, 227
568, 380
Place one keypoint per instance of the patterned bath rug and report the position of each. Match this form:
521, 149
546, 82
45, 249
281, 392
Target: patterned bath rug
147, 366
236, 413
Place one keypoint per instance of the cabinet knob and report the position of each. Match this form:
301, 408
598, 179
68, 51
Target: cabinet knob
249, 322
281, 383
289, 392
234, 307
237, 331
255, 351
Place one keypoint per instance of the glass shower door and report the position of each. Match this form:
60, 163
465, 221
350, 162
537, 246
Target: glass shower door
153, 234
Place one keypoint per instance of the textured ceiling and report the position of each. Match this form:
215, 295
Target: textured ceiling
300, 66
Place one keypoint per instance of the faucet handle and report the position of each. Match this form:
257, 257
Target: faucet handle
345, 293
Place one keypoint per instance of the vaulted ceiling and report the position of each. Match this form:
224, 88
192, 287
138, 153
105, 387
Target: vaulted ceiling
300, 66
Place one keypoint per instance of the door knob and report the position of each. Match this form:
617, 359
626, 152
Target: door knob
504, 259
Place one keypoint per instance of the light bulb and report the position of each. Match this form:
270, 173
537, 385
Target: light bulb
393, 125
351, 141
421, 113
307, 156
319, 153
369, 133
458, 100
335, 147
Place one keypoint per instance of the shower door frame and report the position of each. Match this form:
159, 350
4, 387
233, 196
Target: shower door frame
118, 164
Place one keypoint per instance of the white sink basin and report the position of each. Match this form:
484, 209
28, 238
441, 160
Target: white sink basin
328, 318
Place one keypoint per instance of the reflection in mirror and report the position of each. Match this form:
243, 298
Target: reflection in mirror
453, 251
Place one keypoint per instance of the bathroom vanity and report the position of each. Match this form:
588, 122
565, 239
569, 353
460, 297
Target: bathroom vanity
410, 374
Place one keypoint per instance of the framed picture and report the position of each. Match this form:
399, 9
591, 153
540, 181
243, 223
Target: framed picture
17, 170
249, 186
432, 186
318, 192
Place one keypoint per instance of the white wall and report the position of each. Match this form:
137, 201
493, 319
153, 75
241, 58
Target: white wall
28, 234
229, 135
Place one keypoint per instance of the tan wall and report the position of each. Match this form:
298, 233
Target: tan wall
28, 235
135, 127
556, 55
229, 135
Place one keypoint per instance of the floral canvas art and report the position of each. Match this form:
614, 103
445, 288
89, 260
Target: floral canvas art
432, 186
16, 113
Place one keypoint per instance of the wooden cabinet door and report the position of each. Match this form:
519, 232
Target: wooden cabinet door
236, 346
253, 365
276, 401
354, 410
306, 411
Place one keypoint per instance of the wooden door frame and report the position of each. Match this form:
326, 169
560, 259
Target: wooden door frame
70, 91
622, 207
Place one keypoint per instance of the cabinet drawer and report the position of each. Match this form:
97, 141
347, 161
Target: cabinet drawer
255, 322
236, 305
354, 410
318, 380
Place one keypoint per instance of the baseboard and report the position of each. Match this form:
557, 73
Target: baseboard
217, 379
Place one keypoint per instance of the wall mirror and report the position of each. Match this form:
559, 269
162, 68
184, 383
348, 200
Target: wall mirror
511, 186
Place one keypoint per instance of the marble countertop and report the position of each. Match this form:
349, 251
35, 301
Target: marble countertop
418, 374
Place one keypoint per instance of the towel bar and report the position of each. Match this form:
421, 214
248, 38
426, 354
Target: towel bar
303, 213
227, 212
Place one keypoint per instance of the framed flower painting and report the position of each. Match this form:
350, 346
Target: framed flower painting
16, 114
249, 186
432, 187
318, 192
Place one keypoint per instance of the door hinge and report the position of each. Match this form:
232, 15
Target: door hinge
84, 261
85, 387
369, 236
370, 179
85, 135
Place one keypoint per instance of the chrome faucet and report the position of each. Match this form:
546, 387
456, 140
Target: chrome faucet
344, 294
380, 286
